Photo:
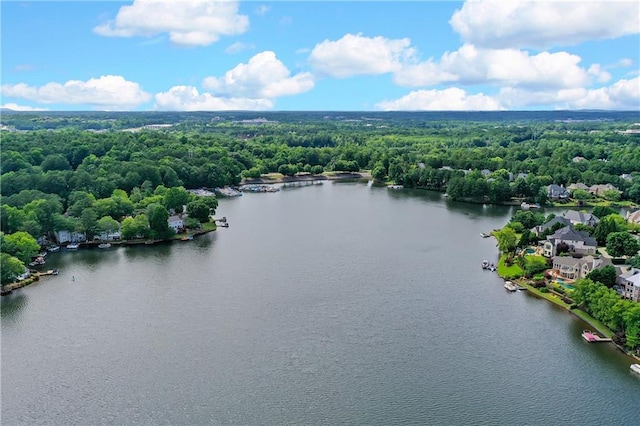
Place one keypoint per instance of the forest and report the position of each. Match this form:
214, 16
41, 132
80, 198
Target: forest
91, 172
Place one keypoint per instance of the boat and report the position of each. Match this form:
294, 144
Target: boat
510, 286
73, 246
224, 224
589, 336
485, 264
484, 235
187, 237
104, 245
54, 248
394, 186
635, 368
37, 261
527, 206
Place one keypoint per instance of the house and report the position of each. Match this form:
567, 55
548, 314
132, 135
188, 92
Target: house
108, 236
630, 281
599, 190
578, 159
576, 217
573, 268
538, 230
578, 185
176, 223
557, 192
66, 236
626, 176
633, 217
579, 242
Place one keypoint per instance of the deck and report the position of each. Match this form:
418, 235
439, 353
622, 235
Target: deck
591, 337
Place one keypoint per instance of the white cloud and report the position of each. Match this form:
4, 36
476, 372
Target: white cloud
108, 92
16, 107
357, 55
189, 22
599, 73
451, 99
262, 9
264, 76
187, 98
238, 47
622, 95
543, 24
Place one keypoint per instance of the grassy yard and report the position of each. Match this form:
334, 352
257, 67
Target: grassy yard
508, 272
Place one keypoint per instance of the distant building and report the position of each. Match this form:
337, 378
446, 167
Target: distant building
557, 192
576, 217
65, 236
578, 185
578, 159
538, 230
599, 190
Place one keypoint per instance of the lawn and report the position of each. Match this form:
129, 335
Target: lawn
508, 272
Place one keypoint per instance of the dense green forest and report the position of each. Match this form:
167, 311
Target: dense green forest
91, 171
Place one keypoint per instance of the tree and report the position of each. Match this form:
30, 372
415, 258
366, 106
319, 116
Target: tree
507, 239
44, 212
88, 222
158, 217
20, 245
622, 244
603, 211
175, 198
198, 209
379, 172
605, 275
10, 268
107, 225
605, 227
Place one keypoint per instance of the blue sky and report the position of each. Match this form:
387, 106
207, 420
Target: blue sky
191, 55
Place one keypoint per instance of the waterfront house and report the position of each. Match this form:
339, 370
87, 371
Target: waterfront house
599, 190
65, 236
576, 217
176, 223
538, 230
573, 268
627, 177
557, 192
630, 283
579, 242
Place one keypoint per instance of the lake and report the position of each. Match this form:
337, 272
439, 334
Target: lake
334, 303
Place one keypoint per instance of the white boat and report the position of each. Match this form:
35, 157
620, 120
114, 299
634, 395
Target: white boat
485, 264
104, 245
635, 368
54, 248
510, 286
527, 206
73, 246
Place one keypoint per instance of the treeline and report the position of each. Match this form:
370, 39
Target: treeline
605, 305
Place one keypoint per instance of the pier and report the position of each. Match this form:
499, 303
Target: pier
591, 337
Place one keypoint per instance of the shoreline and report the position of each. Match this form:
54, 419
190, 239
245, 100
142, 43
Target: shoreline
274, 178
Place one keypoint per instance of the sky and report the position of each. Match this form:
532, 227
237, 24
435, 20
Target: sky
202, 55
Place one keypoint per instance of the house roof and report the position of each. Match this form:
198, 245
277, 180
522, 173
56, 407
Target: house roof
580, 217
634, 217
549, 225
568, 233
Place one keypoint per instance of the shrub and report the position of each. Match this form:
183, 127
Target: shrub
544, 290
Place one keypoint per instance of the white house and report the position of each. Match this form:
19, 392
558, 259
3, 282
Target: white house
70, 237
176, 223
631, 282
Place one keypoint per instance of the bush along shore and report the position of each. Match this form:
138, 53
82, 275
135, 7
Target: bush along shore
592, 298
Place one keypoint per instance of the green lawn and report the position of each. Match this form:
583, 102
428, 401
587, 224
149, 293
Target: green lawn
508, 272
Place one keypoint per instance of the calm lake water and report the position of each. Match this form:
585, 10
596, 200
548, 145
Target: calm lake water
337, 303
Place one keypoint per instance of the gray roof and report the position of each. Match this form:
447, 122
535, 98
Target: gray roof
558, 219
568, 233
581, 217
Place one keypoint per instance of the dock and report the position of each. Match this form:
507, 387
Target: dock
591, 337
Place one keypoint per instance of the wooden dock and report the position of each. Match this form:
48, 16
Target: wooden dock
591, 337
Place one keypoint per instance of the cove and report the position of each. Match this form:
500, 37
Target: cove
333, 303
